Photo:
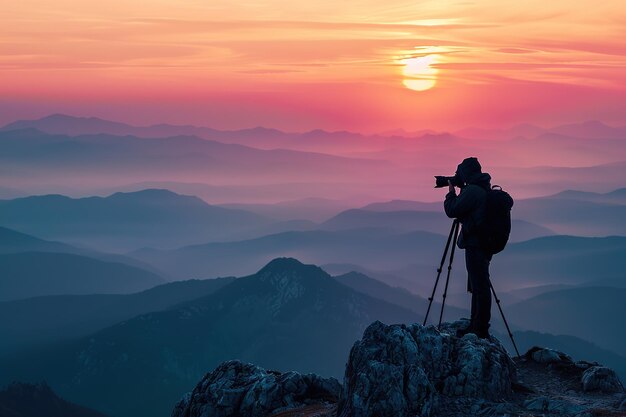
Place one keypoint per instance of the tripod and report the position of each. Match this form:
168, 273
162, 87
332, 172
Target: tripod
452, 238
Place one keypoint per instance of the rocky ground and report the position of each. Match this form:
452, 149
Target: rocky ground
542, 390
401, 370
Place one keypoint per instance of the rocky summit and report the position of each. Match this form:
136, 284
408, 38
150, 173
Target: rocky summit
413, 370
401, 370
245, 390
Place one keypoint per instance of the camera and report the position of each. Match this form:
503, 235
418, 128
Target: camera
441, 181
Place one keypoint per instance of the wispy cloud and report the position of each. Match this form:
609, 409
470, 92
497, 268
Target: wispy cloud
286, 45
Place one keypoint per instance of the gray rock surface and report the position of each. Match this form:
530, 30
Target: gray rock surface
411, 371
245, 390
601, 378
400, 370
545, 355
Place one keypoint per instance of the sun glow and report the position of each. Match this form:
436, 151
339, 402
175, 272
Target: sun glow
419, 73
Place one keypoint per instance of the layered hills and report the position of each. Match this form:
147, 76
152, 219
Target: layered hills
287, 315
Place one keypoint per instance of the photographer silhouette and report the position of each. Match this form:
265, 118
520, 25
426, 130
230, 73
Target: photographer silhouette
470, 208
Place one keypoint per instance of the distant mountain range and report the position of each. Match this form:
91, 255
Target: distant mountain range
591, 313
286, 316
116, 156
125, 221
370, 248
411, 220
591, 129
46, 320
540, 261
30, 274
72, 125
34, 267
98, 157
163, 219
400, 297
12, 241
568, 212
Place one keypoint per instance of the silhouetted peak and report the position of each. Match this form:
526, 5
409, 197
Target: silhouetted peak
282, 271
65, 117
353, 275
260, 130
287, 264
150, 194
618, 192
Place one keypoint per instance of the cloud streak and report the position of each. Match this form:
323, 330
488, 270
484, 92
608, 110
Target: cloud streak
284, 46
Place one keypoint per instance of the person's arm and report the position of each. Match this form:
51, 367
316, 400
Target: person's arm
461, 205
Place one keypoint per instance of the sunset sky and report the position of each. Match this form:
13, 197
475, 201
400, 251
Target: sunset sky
361, 65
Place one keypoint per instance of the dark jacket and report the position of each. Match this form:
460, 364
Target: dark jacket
469, 207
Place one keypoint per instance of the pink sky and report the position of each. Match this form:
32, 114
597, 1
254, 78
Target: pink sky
325, 64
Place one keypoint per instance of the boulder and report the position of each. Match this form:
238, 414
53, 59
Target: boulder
245, 390
400, 370
601, 378
546, 355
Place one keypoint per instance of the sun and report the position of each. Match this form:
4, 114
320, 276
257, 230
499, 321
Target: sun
419, 75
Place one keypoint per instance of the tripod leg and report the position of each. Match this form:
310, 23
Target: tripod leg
504, 318
445, 291
443, 260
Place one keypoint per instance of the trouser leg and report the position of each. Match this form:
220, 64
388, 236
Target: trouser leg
477, 263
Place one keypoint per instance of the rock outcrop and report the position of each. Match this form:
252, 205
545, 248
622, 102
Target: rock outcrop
245, 390
601, 378
412, 370
401, 370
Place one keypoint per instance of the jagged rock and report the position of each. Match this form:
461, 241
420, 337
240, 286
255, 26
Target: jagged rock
245, 390
601, 378
400, 370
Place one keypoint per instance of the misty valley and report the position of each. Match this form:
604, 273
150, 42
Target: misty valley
136, 259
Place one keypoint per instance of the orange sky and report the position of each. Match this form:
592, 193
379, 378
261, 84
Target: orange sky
324, 64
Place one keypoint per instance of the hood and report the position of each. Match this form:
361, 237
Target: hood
468, 168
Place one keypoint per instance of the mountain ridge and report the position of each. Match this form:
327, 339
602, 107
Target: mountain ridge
288, 315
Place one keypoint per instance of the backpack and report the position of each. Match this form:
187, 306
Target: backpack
496, 228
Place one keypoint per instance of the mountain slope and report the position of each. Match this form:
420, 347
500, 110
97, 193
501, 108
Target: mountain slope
566, 260
31, 274
175, 158
411, 220
286, 316
412, 256
592, 313
13, 241
399, 296
51, 319
374, 248
37, 400
123, 221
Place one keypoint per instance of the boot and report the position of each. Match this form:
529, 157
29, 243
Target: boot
483, 334
482, 331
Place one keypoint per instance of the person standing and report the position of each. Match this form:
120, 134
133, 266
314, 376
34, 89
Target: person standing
469, 207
